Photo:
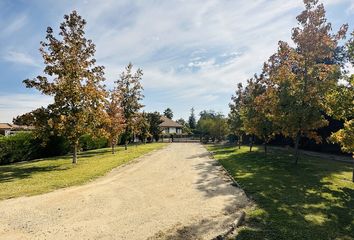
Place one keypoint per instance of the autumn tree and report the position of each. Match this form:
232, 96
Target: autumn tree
192, 121
143, 127
234, 117
75, 82
168, 113
253, 113
130, 90
340, 105
299, 78
115, 118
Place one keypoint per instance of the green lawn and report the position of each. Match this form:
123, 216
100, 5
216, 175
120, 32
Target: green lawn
45, 175
313, 200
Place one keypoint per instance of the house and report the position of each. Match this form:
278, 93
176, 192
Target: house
8, 129
5, 129
169, 126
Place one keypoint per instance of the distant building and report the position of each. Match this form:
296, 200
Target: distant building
169, 126
7, 129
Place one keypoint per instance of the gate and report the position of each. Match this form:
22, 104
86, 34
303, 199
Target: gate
181, 138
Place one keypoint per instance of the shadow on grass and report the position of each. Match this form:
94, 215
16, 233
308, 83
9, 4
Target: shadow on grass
307, 201
11, 173
21, 170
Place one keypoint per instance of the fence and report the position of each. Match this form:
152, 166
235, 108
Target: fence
181, 138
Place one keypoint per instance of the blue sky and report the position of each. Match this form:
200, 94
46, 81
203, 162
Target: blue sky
193, 53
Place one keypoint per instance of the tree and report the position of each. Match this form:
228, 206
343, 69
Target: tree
340, 105
168, 113
181, 121
219, 128
204, 127
192, 121
75, 84
234, 117
212, 126
154, 122
115, 118
298, 78
130, 90
186, 129
143, 127
254, 116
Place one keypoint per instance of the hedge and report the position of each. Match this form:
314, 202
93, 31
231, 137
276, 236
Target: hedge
88, 143
19, 147
23, 146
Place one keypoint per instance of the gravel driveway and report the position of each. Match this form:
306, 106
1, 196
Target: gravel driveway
174, 193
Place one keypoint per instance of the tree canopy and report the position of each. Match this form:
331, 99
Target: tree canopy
191, 120
130, 90
168, 113
75, 82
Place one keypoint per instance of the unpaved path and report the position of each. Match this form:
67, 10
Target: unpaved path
174, 193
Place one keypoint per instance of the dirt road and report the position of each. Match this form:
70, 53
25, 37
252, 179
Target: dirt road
174, 193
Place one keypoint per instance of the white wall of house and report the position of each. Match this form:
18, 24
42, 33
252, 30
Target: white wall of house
172, 130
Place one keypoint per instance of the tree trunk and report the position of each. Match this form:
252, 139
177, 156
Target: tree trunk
75, 153
265, 148
297, 140
126, 145
251, 143
353, 169
113, 148
239, 142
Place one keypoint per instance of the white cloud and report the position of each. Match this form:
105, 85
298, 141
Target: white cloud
12, 105
17, 23
20, 58
192, 52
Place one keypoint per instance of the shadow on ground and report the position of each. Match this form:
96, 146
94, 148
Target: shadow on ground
212, 182
313, 200
22, 170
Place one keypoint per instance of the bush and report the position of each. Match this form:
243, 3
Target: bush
87, 142
19, 147
56, 146
24, 146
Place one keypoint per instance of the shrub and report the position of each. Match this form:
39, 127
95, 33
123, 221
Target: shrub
24, 146
56, 146
87, 142
19, 147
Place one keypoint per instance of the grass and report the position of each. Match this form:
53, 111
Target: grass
45, 175
311, 200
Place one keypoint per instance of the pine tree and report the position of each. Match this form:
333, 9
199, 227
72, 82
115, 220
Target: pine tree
168, 113
192, 121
